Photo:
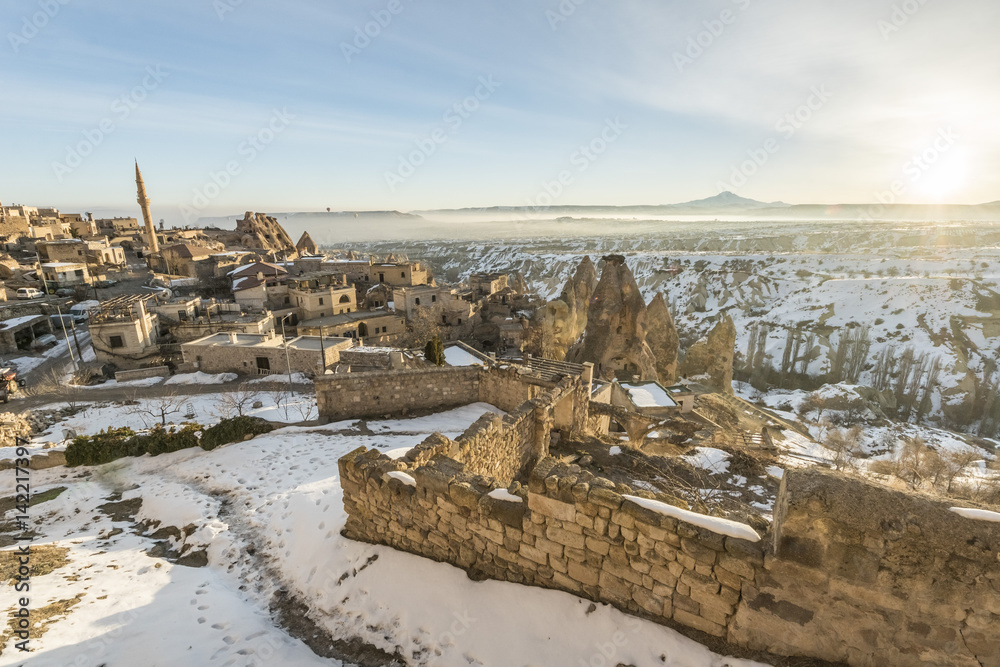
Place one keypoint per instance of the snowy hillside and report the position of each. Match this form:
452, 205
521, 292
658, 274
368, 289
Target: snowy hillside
268, 513
932, 290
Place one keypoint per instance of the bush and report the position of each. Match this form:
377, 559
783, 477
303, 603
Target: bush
116, 443
103, 447
234, 430
163, 441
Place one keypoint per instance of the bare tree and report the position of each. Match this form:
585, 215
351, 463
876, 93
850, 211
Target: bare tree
157, 409
846, 446
239, 401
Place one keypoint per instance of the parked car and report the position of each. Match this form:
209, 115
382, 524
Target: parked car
106, 283
29, 293
65, 291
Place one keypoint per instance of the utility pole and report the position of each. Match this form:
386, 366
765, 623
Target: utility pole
66, 337
288, 364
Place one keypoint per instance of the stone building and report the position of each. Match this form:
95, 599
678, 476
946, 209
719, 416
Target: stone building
485, 284
322, 294
64, 274
113, 227
374, 327
125, 332
263, 354
179, 259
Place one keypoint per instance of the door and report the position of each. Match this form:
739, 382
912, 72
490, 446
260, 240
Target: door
263, 364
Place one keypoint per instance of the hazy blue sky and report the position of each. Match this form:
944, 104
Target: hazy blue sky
338, 121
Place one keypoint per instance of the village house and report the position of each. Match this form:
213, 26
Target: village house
263, 354
64, 274
378, 326
318, 295
124, 331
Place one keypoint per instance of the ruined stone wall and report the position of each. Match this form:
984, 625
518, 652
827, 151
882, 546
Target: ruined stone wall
855, 572
375, 394
504, 388
568, 531
872, 576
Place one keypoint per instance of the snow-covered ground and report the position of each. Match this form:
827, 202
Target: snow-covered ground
269, 511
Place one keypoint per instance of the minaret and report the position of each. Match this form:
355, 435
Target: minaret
143, 200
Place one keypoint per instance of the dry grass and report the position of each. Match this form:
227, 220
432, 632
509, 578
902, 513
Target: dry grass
41, 619
44, 560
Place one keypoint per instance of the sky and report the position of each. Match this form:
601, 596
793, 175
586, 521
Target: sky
301, 105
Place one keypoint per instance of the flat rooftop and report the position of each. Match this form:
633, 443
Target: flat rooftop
348, 318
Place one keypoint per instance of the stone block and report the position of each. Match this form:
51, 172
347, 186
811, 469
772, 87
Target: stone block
700, 582
598, 546
586, 575
549, 547
552, 508
534, 555
565, 537
698, 551
649, 602
697, 622
737, 566
663, 575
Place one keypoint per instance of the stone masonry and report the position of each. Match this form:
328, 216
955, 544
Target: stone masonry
850, 571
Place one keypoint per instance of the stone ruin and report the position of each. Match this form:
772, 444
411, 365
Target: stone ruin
849, 571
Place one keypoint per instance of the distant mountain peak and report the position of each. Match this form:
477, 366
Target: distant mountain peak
729, 199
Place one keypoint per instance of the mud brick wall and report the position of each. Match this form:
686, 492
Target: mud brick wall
570, 531
375, 394
871, 576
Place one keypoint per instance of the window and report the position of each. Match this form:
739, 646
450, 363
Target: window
417, 301
287, 300
348, 310
381, 277
345, 299
460, 320
402, 274
79, 253
321, 301
433, 299
78, 273
116, 341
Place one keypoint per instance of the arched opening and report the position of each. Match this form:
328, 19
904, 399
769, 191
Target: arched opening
345, 299
362, 330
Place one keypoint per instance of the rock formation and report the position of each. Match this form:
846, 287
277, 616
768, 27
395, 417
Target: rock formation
614, 339
264, 232
306, 246
711, 358
663, 340
556, 325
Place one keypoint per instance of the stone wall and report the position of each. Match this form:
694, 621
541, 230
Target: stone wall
568, 530
872, 576
850, 571
142, 373
360, 395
